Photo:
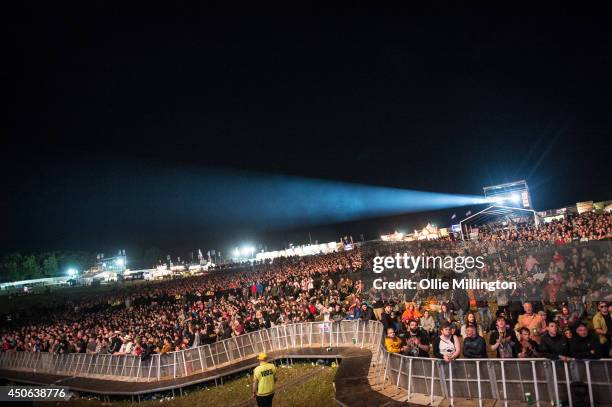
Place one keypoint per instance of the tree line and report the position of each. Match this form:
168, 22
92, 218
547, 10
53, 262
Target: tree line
27, 266
18, 266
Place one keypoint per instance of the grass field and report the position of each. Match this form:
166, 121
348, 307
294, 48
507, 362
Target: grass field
299, 385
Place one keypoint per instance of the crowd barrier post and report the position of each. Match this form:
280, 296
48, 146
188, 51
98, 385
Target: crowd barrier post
588, 373
431, 397
263, 345
479, 384
535, 382
399, 372
567, 383
450, 381
158, 367
226, 352
184, 362
173, 364
200, 356
409, 376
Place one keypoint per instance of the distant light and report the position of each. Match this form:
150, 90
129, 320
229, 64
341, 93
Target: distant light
119, 262
236, 252
72, 272
515, 198
247, 250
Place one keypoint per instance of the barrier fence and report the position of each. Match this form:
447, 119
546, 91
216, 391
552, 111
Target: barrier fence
478, 379
201, 358
545, 380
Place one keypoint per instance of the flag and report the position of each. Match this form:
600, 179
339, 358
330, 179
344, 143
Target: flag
468, 213
454, 216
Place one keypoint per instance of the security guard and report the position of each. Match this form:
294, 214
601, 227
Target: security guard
264, 381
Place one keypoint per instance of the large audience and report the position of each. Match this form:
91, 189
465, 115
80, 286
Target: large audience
560, 310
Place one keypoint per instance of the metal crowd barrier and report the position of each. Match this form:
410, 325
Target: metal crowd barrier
476, 379
198, 359
507, 380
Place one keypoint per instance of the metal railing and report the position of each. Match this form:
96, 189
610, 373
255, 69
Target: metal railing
500, 379
477, 379
198, 359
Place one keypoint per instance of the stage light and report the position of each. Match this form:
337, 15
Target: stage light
72, 272
515, 198
268, 201
119, 262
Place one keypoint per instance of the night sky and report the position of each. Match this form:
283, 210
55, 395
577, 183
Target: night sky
106, 108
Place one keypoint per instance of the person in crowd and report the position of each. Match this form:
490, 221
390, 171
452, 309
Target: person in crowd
116, 342
417, 340
411, 312
167, 346
127, 347
527, 346
460, 302
388, 318
428, 323
565, 319
482, 305
474, 346
446, 346
393, 343
503, 340
534, 323
553, 344
470, 319
445, 315
585, 345
602, 324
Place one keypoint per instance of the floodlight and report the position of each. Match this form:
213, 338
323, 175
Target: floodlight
119, 262
72, 271
247, 250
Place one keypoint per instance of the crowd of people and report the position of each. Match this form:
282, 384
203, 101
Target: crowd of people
560, 309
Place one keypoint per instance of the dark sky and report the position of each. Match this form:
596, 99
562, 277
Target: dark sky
98, 96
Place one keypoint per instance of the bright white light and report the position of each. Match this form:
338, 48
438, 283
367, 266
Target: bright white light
72, 272
119, 262
515, 198
247, 250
